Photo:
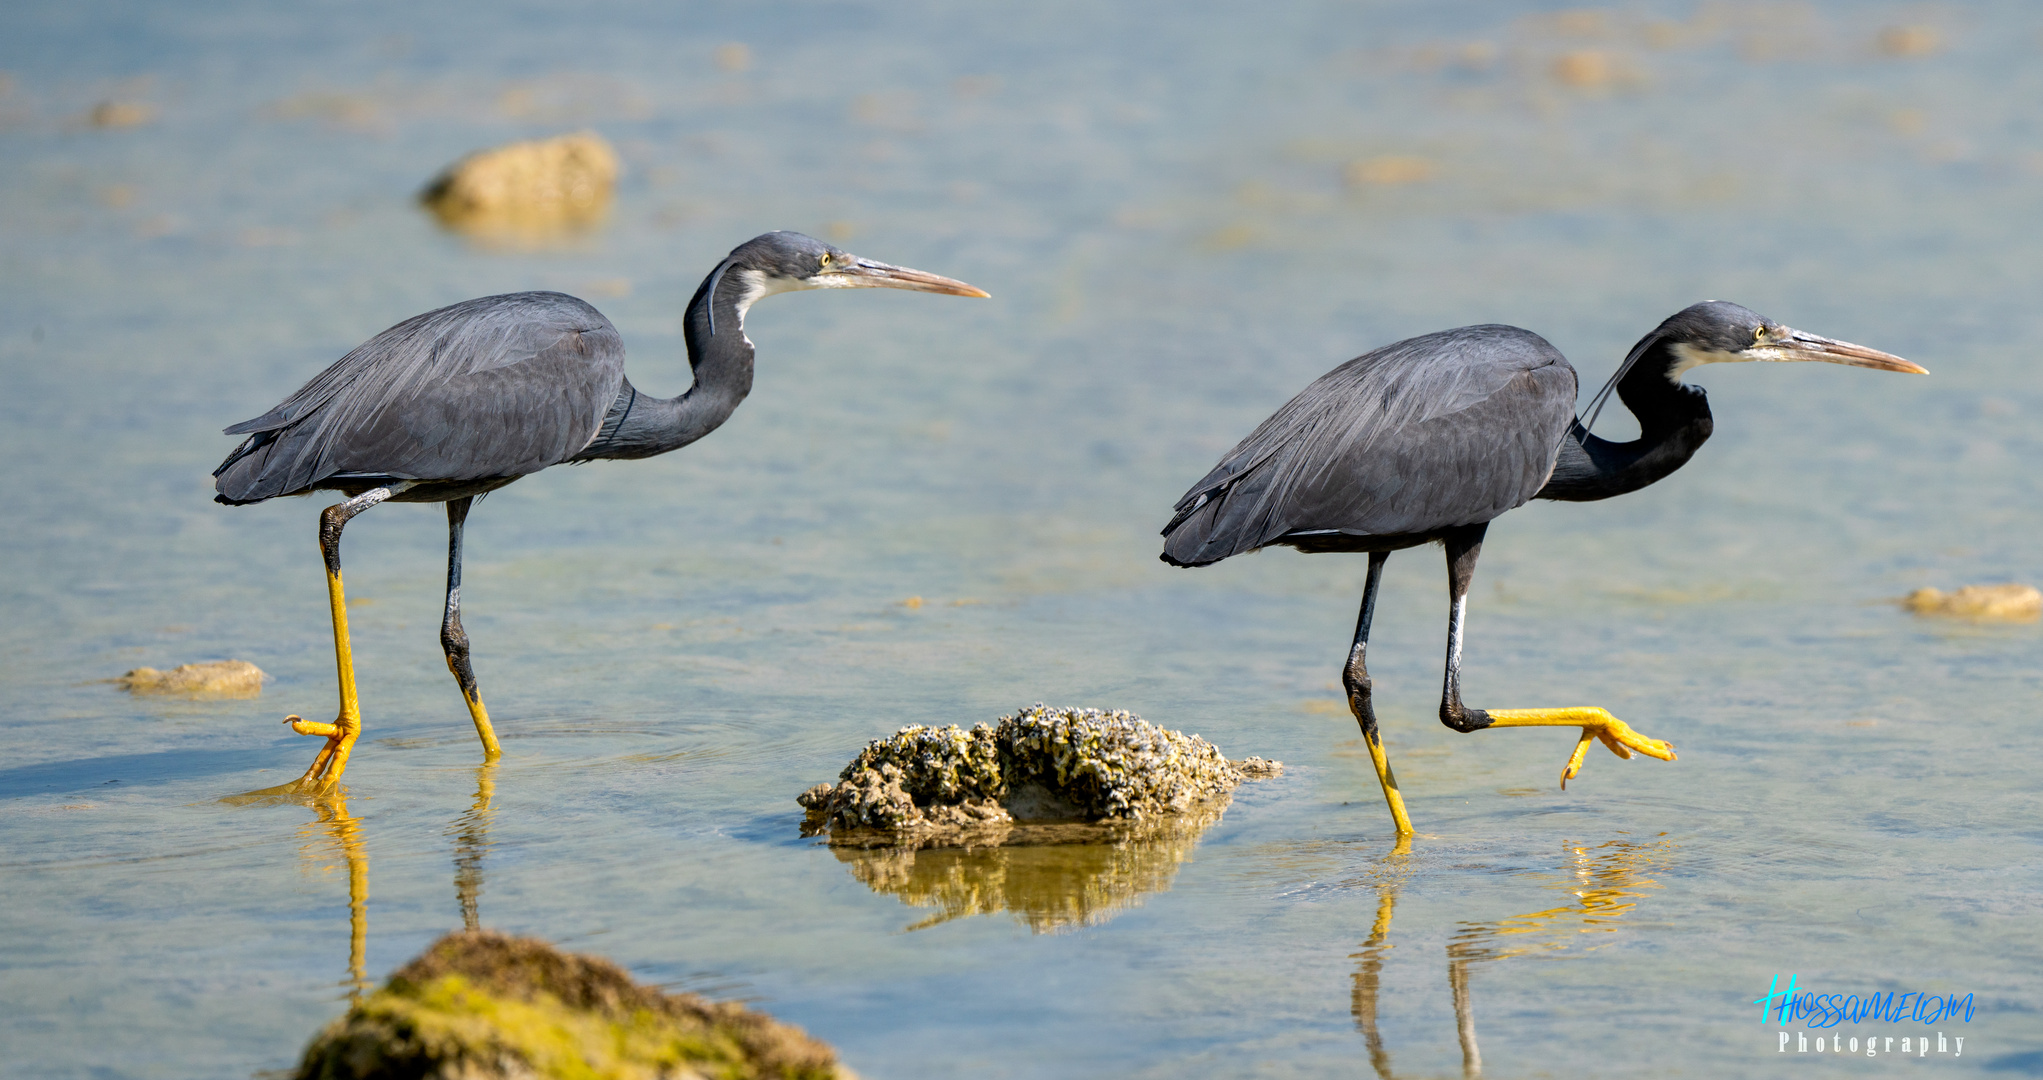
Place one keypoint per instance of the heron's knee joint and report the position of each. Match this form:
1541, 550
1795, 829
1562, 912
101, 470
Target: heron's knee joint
331, 521
1464, 719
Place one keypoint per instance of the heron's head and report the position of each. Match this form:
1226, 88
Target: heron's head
1716, 332
779, 262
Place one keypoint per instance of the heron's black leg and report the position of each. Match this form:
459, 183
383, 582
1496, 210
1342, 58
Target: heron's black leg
347, 727
1355, 678
1463, 545
454, 640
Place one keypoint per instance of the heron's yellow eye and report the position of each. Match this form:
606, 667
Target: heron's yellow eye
828, 258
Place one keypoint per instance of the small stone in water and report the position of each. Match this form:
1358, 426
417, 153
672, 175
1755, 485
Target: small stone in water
2010, 603
121, 114
543, 184
217, 678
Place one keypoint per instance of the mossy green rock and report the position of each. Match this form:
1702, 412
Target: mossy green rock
480, 1006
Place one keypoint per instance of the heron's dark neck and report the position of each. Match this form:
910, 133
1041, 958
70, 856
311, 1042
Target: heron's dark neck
1674, 421
640, 425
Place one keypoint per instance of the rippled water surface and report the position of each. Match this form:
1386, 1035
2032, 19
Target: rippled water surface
1184, 214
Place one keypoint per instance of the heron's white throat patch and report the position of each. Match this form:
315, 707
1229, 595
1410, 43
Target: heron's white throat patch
1687, 356
753, 285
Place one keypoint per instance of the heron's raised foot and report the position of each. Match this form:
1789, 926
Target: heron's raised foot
332, 759
1595, 723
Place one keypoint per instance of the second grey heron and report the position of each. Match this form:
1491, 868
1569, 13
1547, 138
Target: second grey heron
1431, 438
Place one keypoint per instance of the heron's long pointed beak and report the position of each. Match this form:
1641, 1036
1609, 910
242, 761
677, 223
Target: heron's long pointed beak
865, 273
1797, 345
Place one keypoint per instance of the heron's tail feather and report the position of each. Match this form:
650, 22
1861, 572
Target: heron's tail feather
1185, 538
268, 464
1229, 519
240, 479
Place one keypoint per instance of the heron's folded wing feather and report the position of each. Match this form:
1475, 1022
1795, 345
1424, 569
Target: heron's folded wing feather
1453, 468
499, 386
509, 420
1436, 431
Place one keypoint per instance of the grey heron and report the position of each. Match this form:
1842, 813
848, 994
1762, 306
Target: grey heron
1431, 438
458, 402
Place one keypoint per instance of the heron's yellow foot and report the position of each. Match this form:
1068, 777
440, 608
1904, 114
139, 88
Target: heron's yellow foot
332, 759
1595, 724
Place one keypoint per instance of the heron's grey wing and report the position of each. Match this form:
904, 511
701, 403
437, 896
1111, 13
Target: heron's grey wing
494, 387
1441, 430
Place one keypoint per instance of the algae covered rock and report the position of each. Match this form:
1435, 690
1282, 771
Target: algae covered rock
480, 1005
1039, 764
217, 678
2009, 603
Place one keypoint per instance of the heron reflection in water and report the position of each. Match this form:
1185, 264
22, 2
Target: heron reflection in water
1605, 881
471, 841
335, 831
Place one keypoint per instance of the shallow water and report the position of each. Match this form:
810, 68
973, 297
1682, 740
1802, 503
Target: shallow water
1184, 213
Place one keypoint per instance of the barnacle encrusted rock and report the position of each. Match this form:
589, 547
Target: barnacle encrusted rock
1108, 765
479, 1005
2010, 603
214, 679
1039, 764
1259, 768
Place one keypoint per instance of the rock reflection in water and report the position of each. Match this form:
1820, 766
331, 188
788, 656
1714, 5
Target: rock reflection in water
1606, 883
1052, 876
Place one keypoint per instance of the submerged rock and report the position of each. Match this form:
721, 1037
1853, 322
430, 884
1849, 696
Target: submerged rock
480, 1005
536, 187
2011, 602
1042, 764
217, 678
121, 114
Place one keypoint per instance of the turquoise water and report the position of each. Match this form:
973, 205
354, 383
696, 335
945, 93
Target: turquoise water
1184, 214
